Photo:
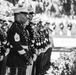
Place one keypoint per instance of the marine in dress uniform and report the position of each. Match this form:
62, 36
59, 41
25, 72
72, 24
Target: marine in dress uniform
45, 49
3, 48
19, 57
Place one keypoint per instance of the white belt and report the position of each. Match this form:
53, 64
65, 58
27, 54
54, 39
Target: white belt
21, 51
25, 47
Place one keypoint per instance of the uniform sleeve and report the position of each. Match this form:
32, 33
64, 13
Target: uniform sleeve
15, 41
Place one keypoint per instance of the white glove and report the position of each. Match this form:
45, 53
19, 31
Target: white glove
35, 57
7, 51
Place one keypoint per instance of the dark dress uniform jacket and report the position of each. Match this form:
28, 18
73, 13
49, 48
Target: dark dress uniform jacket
16, 39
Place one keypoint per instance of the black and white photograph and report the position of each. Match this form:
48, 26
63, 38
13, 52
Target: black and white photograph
37, 37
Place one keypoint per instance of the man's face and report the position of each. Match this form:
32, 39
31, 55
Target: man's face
25, 18
21, 17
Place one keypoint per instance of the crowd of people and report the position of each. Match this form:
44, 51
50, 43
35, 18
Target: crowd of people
25, 47
25, 34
